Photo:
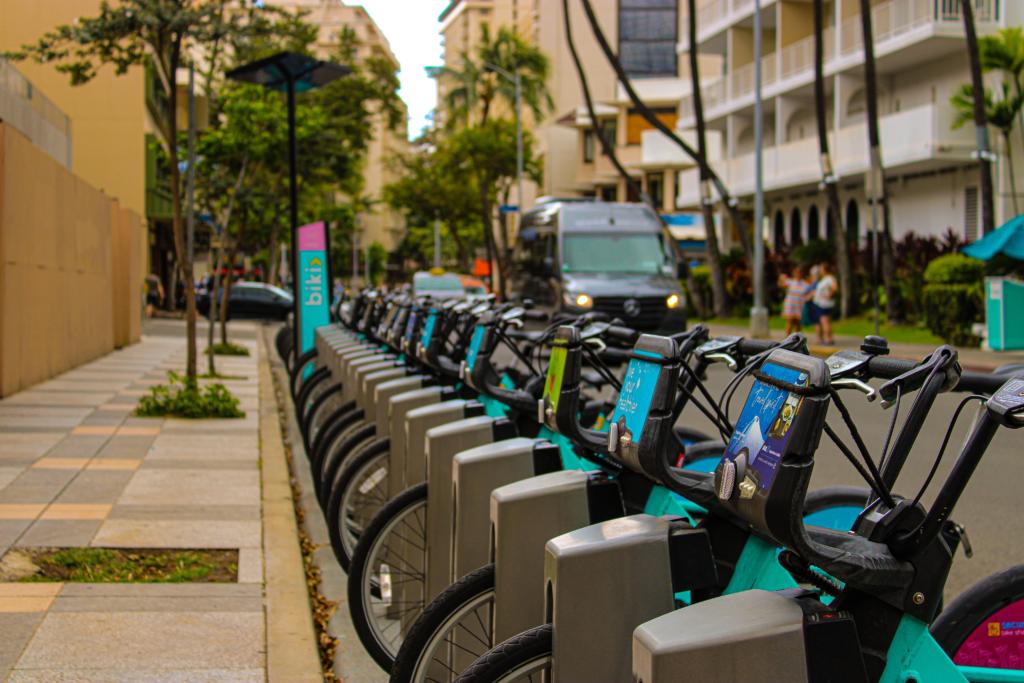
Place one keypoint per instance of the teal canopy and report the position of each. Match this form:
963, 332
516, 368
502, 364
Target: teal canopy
1008, 240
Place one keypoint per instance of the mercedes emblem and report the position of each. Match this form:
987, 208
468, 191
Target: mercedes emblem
631, 307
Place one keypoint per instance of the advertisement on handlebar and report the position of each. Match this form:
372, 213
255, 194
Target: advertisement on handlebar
763, 430
474, 347
556, 373
635, 399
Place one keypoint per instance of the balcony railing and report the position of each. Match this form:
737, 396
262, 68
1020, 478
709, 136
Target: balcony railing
890, 20
911, 136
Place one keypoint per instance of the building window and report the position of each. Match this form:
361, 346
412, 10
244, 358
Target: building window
853, 223
971, 214
795, 236
609, 193
588, 146
813, 224
647, 37
780, 231
636, 124
611, 131
656, 190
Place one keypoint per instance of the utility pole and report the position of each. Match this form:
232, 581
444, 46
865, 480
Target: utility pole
758, 313
437, 243
519, 143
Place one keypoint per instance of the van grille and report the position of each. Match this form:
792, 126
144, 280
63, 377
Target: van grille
652, 310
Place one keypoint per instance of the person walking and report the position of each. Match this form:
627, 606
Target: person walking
797, 289
154, 294
824, 302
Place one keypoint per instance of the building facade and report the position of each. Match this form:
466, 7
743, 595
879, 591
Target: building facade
921, 59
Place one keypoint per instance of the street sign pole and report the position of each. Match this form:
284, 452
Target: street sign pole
758, 313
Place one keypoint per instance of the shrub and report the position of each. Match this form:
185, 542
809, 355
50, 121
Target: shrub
702, 281
815, 251
229, 349
950, 310
182, 398
954, 269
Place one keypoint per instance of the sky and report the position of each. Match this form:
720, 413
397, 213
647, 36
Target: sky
412, 29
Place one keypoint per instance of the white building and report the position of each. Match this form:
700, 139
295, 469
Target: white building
921, 60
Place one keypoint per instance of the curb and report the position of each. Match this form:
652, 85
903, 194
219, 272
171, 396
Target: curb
292, 653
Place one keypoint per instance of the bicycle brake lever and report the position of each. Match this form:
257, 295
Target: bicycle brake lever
597, 343
729, 361
853, 383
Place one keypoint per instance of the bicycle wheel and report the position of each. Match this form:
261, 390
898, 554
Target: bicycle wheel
525, 657
453, 631
338, 458
315, 417
308, 393
356, 497
973, 630
386, 579
835, 507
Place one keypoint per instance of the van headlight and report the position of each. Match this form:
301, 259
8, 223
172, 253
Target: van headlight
578, 299
673, 301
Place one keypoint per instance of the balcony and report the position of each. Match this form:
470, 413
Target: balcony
658, 151
29, 111
714, 16
932, 25
915, 139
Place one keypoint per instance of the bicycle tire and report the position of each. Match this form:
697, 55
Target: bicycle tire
361, 574
436, 620
334, 426
283, 342
962, 629
339, 457
503, 663
295, 372
302, 400
308, 422
348, 477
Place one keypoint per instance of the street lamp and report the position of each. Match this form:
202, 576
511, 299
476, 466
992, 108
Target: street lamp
291, 72
517, 81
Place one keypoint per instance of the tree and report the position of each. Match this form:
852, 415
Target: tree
828, 178
126, 35
879, 192
980, 124
718, 294
1002, 114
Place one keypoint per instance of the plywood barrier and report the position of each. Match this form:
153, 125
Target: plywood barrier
71, 267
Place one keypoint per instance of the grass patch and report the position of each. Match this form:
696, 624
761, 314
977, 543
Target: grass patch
183, 398
229, 349
858, 326
116, 565
217, 375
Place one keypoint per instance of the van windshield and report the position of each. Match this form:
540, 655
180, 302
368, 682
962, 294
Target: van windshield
612, 253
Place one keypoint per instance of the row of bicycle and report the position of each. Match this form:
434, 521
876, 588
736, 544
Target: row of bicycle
530, 505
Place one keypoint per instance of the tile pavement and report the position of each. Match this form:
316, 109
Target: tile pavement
77, 469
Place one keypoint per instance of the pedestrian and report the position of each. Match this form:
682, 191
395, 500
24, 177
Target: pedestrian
154, 294
824, 303
796, 287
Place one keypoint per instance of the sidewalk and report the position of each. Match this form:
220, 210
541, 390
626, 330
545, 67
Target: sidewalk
76, 469
970, 359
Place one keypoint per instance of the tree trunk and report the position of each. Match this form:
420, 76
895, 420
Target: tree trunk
226, 299
212, 314
493, 252
988, 215
892, 304
828, 178
720, 297
273, 253
180, 250
1009, 165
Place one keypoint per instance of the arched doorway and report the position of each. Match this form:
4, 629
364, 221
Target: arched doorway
813, 224
853, 223
779, 230
795, 229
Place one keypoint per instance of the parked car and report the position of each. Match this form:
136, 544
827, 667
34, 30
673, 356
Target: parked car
475, 289
438, 285
253, 300
615, 258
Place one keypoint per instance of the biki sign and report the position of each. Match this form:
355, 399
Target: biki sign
313, 300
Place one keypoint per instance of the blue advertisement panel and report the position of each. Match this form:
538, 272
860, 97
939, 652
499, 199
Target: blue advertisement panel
313, 303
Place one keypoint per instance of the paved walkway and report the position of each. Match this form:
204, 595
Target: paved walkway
76, 469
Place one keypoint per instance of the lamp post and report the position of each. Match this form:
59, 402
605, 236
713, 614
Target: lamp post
758, 312
290, 72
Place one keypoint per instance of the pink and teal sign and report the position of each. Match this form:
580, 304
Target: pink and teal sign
313, 303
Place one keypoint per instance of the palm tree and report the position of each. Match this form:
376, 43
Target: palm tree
719, 296
509, 52
1001, 113
1005, 52
980, 126
460, 100
828, 178
880, 192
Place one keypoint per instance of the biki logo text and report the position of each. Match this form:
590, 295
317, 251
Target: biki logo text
313, 279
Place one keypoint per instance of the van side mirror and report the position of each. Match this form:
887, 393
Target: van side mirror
548, 267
